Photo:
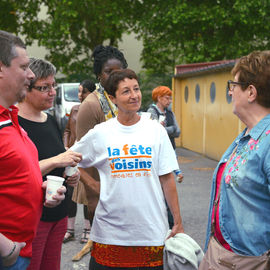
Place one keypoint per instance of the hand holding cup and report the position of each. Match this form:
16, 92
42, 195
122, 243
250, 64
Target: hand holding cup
161, 120
55, 191
72, 175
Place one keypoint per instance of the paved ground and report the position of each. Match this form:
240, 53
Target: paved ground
193, 196
71, 248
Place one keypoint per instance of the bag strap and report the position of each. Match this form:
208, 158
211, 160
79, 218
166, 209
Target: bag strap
213, 225
157, 111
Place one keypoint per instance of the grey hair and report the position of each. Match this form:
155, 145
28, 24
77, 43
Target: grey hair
42, 69
8, 44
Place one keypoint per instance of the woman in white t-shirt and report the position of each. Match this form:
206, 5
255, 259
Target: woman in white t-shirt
135, 160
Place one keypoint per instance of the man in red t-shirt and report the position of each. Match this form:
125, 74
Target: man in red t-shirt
21, 193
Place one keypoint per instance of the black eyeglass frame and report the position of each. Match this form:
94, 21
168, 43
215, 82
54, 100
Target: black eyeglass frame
229, 82
44, 88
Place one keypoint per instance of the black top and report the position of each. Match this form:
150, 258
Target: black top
47, 138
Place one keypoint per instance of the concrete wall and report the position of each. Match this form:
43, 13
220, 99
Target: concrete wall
130, 46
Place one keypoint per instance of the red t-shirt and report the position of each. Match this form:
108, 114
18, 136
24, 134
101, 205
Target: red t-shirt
21, 194
218, 234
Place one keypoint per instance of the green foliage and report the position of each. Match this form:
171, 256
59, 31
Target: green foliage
8, 16
173, 31
148, 81
69, 29
187, 31
77, 77
73, 28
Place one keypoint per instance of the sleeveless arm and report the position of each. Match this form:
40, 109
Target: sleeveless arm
67, 132
89, 115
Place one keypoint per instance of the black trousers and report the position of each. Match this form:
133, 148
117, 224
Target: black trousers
93, 265
72, 206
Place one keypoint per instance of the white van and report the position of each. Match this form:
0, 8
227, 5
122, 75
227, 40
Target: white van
66, 98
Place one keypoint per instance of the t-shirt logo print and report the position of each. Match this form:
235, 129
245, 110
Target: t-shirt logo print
129, 161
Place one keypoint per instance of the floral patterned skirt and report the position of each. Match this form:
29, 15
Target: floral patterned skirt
127, 256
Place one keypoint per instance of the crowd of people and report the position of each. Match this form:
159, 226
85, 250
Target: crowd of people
126, 167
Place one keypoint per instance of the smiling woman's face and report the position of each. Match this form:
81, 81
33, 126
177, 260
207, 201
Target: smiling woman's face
128, 96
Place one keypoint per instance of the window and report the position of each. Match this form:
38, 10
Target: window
186, 94
212, 92
197, 93
71, 93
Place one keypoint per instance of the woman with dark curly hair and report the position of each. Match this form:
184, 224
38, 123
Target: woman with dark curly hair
76, 194
43, 131
97, 108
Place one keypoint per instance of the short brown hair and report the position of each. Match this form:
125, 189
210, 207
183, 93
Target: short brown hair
8, 44
255, 69
115, 77
161, 91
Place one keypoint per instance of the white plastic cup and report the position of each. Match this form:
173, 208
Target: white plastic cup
53, 184
161, 118
70, 170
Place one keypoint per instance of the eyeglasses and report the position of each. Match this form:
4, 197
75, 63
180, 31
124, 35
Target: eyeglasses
231, 84
169, 98
45, 88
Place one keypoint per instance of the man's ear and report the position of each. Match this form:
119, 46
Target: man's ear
113, 99
252, 93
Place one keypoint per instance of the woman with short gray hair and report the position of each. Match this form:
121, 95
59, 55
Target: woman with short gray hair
43, 131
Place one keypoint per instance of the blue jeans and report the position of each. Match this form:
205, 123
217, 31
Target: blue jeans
21, 264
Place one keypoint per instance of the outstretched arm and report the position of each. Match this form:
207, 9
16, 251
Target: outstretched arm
68, 158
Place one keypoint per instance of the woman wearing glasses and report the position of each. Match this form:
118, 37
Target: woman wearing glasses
243, 174
43, 131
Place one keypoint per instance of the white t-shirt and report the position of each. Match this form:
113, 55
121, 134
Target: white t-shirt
131, 210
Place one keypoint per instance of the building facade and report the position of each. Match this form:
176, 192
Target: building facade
203, 107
